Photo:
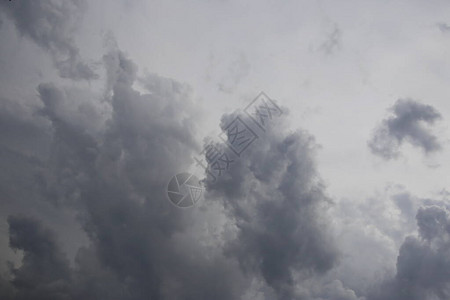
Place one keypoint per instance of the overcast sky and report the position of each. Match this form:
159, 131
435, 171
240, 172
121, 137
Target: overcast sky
343, 195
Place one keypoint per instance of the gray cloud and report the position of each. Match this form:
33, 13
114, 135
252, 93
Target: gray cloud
110, 162
262, 232
443, 27
275, 198
423, 265
332, 42
22, 128
44, 272
115, 177
369, 233
51, 25
406, 125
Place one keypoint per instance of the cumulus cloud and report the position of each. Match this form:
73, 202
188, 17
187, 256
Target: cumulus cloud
423, 264
23, 128
276, 199
115, 177
51, 25
259, 234
410, 122
262, 231
44, 272
84, 173
369, 233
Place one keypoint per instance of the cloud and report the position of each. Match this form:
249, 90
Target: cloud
267, 229
276, 200
406, 125
385, 256
443, 27
423, 264
369, 233
23, 129
51, 25
260, 230
44, 272
332, 42
114, 173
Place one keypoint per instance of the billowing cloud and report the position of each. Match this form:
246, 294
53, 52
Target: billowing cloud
109, 158
115, 176
410, 123
423, 264
51, 25
85, 169
275, 197
44, 272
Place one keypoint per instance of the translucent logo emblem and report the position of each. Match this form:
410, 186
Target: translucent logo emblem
184, 190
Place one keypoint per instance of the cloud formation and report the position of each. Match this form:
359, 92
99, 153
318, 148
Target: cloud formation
258, 235
262, 231
44, 272
84, 173
276, 200
407, 124
423, 264
115, 176
51, 25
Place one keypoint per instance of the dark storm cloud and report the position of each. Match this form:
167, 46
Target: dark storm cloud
22, 128
423, 264
51, 25
260, 231
141, 246
275, 198
112, 164
148, 139
407, 124
44, 272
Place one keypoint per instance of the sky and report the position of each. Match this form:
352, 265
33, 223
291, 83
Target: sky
338, 191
